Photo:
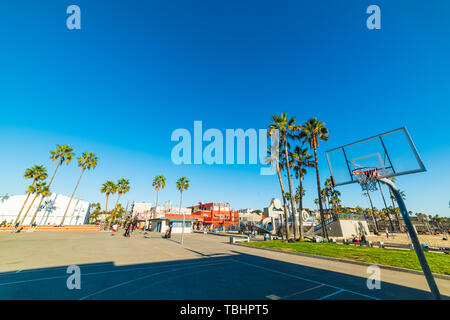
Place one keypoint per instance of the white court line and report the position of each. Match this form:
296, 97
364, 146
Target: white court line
42, 269
102, 272
306, 290
331, 294
305, 279
148, 276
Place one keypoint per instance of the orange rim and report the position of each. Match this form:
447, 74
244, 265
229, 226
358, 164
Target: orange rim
364, 170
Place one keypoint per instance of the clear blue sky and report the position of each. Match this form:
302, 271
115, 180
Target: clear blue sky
137, 70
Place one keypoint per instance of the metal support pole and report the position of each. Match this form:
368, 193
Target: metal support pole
414, 239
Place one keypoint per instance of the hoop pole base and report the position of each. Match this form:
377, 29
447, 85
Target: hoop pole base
414, 239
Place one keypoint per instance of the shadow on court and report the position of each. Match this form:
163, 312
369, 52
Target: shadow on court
238, 276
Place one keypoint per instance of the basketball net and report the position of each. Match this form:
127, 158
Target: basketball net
367, 177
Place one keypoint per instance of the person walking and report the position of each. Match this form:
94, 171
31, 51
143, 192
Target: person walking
127, 230
387, 233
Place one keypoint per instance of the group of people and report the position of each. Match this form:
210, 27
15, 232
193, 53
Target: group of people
16, 226
130, 226
6, 224
360, 239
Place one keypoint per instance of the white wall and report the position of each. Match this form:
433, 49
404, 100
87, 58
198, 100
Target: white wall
350, 227
346, 228
51, 211
140, 207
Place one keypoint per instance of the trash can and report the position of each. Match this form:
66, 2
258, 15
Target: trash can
232, 240
266, 237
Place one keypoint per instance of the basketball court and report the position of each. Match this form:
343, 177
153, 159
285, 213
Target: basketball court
207, 267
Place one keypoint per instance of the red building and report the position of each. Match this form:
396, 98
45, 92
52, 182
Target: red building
216, 215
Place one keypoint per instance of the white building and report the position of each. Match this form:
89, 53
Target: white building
141, 207
246, 211
142, 210
249, 217
51, 211
162, 225
166, 208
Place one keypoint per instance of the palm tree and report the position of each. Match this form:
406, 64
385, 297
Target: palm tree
37, 173
43, 191
107, 188
421, 217
334, 199
182, 184
159, 183
382, 214
329, 192
88, 160
286, 127
288, 196
324, 194
274, 160
302, 160
41, 188
359, 210
316, 202
123, 186
96, 211
120, 211
62, 154
298, 199
313, 131
297, 195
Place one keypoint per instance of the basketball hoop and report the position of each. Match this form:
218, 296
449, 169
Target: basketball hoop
367, 177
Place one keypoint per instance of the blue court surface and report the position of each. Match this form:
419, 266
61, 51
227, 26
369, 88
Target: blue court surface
218, 276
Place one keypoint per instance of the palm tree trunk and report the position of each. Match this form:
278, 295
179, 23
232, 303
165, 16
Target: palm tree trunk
115, 208
42, 198
73, 193
34, 215
182, 230
106, 210
54, 172
286, 214
23, 206
373, 213
156, 205
293, 209
23, 219
300, 214
325, 232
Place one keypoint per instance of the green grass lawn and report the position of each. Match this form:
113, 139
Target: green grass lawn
439, 263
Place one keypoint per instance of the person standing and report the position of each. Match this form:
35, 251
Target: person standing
387, 233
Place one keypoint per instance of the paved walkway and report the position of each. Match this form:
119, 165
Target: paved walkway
145, 266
